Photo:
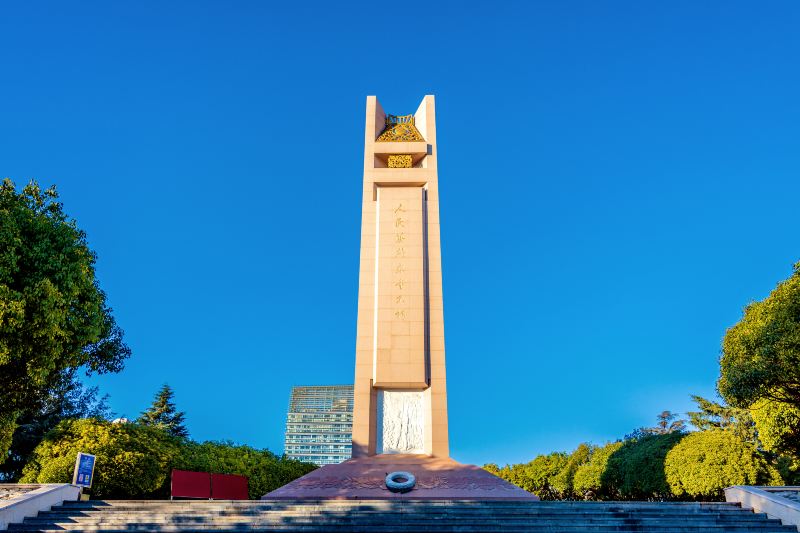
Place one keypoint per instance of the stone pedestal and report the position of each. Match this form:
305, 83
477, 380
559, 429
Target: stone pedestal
363, 478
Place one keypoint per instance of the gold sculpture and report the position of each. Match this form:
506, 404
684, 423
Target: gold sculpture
400, 128
400, 161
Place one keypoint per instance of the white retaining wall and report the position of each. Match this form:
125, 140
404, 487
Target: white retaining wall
767, 500
42, 498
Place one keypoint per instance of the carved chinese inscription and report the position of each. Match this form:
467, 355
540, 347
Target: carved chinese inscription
400, 346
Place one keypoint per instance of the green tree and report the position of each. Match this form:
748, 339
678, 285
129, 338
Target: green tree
702, 464
53, 316
536, 476
636, 470
588, 480
761, 354
563, 482
778, 427
666, 422
68, 399
133, 461
712, 415
163, 414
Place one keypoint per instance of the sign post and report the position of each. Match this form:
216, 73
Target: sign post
84, 471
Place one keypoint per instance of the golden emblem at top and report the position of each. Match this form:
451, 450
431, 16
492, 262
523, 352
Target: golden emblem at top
399, 129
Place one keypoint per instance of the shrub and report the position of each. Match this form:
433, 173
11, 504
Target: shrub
636, 470
563, 482
778, 426
704, 463
536, 476
587, 483
133, 461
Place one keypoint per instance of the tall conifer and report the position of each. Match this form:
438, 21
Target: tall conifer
163, 414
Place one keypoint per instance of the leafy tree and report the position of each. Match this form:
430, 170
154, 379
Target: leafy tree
666, 422
563, 482
588, 480
778, 427
53, 316
164, 415
539, 475
702, 464
68, 399
761, 354
133, 461
492, 468
636, 470
536, 476
712, 415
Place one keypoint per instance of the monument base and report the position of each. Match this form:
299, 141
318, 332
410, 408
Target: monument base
364, 478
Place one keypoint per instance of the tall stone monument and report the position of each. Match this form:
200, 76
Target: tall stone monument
400, 396
400, 402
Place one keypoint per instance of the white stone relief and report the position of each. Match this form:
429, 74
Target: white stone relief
401, 422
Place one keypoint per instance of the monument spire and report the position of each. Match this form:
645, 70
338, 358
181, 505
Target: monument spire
400, 402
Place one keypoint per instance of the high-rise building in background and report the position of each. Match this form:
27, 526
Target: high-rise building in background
319, 426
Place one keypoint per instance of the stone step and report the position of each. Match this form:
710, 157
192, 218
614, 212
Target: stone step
113, 504
431, 528
398, 508
746, 519
387, 503
532, 508
185, 515
392, 516
412, 525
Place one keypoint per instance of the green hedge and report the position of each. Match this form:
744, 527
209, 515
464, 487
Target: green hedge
135, 461
702, 464
671, 466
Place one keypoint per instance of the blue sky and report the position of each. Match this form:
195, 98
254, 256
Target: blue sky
618, 179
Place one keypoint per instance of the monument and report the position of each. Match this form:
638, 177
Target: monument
400, 394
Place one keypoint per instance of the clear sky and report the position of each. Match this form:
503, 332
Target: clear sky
618, 179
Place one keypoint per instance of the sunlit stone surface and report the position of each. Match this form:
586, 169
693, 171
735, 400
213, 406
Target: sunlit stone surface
401, 417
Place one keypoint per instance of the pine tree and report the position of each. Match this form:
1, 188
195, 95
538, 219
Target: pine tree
163, 414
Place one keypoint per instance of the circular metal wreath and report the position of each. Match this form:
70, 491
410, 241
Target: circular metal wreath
400, 481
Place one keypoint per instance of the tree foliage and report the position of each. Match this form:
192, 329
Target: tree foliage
761, 354
536, 476
778, 426
588, 480
163, 414
135, 460
53, 316
563, 482
712, 415
636, 470
702, 464
666, 422
68, 399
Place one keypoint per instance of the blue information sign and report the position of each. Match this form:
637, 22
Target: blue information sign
84, 470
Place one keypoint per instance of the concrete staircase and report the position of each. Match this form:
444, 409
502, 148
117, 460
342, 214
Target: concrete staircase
372, 516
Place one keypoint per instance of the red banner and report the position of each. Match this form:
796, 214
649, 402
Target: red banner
229, 487
187, 484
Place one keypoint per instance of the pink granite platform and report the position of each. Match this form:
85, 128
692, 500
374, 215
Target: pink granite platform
364, 479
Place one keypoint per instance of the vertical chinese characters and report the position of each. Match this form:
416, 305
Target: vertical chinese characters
399, 269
